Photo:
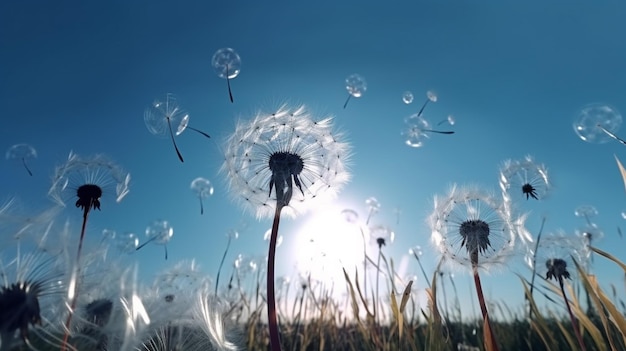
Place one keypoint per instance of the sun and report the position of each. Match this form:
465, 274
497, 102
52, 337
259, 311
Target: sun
326, 243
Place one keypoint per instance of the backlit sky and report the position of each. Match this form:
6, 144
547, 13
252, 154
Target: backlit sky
78, 75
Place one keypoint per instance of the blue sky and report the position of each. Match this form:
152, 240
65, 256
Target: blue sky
78, 76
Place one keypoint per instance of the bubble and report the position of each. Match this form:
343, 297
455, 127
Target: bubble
451, 120
431, 96
407, 97
593, 118
415, 132
226, 63
203, 188
127, 242
356, 85
586, 211
349, 215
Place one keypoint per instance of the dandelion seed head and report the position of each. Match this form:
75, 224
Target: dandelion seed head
470, 227
88, 179
285, 158
524, 180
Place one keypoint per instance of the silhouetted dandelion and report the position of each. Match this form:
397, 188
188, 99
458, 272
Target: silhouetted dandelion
524, 178
557, 252
88, 179
474, 230
28, 284
283, 161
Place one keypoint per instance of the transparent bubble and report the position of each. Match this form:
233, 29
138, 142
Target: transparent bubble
127, 242
407, 97
356, 85
22, 153
593, 118
431, 96
160, 232
108, 234
163, 113
415, 132
350, 216
623, 214
417, 250
451, 120
372, 205
203, 188
226, 63
586, 211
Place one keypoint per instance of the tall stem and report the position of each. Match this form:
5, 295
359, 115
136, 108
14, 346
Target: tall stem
483, 306
74, 296
572, 318
271, 296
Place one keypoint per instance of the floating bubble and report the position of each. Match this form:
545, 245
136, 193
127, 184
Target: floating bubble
127, 242
596, 122
407, 97
414, 133
163, 114
203, 188
586, 211
430, 97
227, 64
623, 214
356, 86
349, 215
160, 232
21, 153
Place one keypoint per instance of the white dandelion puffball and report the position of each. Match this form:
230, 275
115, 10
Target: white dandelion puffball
285, 158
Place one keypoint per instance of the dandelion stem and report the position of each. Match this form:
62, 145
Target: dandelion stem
26, 166
532, 279
230, 94
219, 269
74, 296
169, 125
483, 306
271, 296
571, 317
620, 140
348, 99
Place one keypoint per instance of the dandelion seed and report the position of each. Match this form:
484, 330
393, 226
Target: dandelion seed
227, 65
23, 153
203, 189
356, 86
524, 178
163, 115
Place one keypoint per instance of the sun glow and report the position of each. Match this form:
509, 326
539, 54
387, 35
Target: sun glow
326, 243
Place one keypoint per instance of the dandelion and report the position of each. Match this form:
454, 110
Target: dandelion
524, 178
284, 161
88, 179
28, 284
471, 229
557, 251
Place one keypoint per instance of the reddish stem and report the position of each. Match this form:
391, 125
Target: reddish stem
572, 318
483, 307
